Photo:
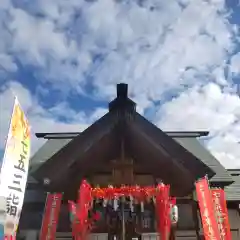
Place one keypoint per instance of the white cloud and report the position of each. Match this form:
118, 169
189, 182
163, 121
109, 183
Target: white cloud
157, 47
148, 44
153, 49
5, 4
6, 63
235, 63
41, 120
38, 38
207, 108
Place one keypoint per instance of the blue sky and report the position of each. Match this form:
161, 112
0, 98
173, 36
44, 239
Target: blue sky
180, 58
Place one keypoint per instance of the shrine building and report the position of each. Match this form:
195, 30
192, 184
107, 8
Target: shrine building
123, 147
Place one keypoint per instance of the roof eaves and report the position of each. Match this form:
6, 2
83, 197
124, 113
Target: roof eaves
197, 149
57, 135
49, 148
233, 191
78, 145
66, 135
183, 134
176, 150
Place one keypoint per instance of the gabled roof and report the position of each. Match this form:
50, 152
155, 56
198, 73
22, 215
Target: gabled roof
101, 142
49, 148
196, 148
56, 141
233, 191
188, 140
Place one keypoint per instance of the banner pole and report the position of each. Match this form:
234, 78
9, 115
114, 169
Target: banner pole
6, 142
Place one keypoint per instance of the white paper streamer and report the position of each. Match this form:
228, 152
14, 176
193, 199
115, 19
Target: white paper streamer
142, 206
105, 202
131, 204
174, 214
115, 204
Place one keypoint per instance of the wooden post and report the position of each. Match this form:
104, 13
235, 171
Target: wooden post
123, 220
195, 217
173, 233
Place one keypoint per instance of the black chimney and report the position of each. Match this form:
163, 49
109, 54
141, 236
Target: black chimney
122, 102
122, 90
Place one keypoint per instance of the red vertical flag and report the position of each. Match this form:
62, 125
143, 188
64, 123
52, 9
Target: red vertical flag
209, 222
84, 202
50, 218
83, 206
220, 206
163, 210
73, 218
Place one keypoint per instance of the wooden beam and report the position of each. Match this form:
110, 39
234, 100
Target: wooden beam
57, 135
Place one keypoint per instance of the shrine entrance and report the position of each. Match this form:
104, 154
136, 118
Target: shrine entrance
123, 224
122, 208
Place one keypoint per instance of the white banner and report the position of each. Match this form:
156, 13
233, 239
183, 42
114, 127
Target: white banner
14, 170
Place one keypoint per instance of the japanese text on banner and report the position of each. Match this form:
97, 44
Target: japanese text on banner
14, 170
209, 222
219, 201
51, 215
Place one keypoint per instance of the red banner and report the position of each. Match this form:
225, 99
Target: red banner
50, 218
163, 211
219, 200
209, 222
84, 202
83, 206
73, 218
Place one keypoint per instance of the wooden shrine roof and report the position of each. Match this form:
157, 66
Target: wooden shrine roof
233, 191
188, 140
160, 154
194, 146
